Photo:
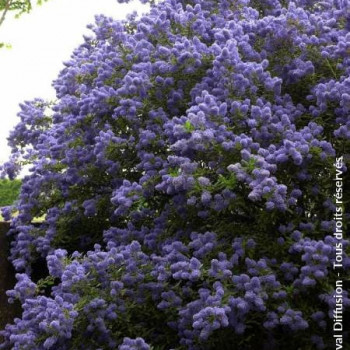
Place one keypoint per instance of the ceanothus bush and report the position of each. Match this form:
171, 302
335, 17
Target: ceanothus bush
185, 176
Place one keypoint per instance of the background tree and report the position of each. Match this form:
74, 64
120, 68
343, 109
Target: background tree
16, 7
9, 191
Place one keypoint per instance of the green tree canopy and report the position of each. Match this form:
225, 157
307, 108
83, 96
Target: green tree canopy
9, 190
17, 7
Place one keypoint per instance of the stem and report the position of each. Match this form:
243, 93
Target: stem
7, 7
331, 68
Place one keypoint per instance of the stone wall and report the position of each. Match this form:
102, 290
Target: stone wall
7, 280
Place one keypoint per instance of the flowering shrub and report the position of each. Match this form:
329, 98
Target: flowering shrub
186, 177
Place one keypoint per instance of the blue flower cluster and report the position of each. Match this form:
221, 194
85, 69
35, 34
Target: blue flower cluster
185, 176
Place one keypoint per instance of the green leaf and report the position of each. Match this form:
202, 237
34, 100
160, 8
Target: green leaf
188, 126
